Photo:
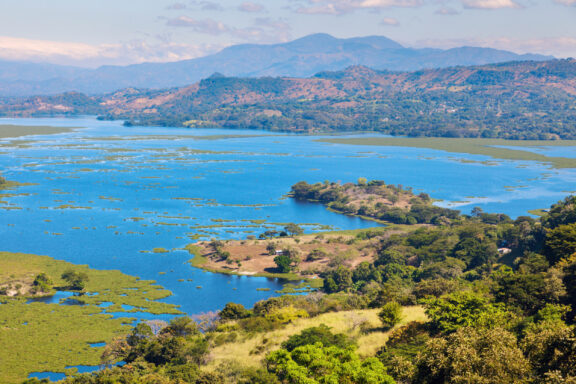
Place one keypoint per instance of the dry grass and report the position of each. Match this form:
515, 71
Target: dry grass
251, 350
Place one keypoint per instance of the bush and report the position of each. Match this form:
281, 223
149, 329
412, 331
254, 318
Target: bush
233, 311
391, 314
313, 335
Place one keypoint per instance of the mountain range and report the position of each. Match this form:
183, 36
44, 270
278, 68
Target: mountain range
299, 58
519, 100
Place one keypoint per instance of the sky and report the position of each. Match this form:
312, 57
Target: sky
91, 33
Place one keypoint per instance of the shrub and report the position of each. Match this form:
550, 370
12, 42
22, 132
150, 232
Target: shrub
391, 314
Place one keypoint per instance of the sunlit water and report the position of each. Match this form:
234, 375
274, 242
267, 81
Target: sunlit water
107, 202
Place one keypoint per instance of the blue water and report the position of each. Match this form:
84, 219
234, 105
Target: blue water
52, 376
141, 188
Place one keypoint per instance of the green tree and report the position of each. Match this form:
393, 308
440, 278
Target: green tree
76, 280
234, 311
315, 364
293, 229
391, 314
473, 355
560, 243
319, 334
464, 309
42, 283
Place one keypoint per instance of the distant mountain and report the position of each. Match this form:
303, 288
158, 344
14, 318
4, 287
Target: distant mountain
520, 100
299, 58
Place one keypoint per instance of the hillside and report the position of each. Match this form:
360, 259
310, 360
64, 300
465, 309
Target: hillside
516, 100
302, 57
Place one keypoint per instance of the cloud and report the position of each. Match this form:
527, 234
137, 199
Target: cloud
390, 21
447, 11
176, 7
567, 3
160, 49
263, 30
563, 46
340, 7
208, 5
206, 26
251, 7
490, 4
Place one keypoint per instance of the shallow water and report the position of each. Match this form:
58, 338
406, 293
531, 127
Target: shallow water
108, 195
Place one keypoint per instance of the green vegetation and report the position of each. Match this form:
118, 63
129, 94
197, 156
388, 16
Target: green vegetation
486, 147
99, 286
477, 298
375, 200
49, 337
12, 131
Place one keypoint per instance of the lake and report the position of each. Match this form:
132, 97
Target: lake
108, 195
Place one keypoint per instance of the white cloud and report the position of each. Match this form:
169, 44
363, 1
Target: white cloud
390, 21
447, 11
340, 7
490, 4
67, 53
556, 46
567, 3
207, 26
251, 7
263, 30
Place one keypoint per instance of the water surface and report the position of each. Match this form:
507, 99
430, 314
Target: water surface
108, 195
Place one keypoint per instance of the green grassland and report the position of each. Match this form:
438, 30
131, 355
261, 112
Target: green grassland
49, 337
11, 131
484, 147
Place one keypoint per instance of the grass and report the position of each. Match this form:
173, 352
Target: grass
473, 147
253, 348
537, 212
11, 131
40, 337
113, 286
48, 337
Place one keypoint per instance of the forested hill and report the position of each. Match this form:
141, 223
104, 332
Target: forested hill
516, 100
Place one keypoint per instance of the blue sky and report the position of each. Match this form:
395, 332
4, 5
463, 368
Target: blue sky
92, 33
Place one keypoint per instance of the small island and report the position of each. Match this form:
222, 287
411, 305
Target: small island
375, 200
291, 254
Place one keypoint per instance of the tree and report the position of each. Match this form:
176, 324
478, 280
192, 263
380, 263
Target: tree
315, 364
473, 355
293, 229
181, 327
391, 314
42, 283
464, 309
313, 335
560, 242
233, 311
288, 260
76, 280
339, 279
271, 248
283, 263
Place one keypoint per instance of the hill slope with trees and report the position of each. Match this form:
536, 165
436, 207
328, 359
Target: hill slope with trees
516, 100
